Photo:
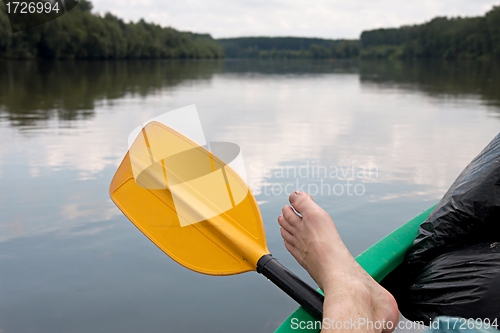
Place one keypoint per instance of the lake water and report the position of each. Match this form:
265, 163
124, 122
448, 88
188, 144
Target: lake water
391, 136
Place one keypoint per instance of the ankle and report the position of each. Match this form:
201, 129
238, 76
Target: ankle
343, 288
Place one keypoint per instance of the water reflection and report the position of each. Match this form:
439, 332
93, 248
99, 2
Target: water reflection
72, 262
283, 66
34, 92
450, 79
408, 119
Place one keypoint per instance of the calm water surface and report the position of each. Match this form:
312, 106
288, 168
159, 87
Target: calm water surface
377, 142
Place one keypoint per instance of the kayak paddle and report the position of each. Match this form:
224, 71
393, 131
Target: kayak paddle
199, 211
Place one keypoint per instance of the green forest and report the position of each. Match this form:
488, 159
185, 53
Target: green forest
80, 34
289, 47
442, 37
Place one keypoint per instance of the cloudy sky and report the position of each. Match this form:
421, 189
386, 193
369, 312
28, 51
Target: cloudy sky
320, 18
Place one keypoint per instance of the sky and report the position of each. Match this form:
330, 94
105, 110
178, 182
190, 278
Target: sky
321, 18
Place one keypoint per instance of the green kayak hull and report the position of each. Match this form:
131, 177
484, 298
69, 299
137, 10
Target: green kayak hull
378, 260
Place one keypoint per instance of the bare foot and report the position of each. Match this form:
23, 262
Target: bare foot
351, 295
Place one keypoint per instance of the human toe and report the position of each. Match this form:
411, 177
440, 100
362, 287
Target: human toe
287, 236
291, 216
283, 222
302, 202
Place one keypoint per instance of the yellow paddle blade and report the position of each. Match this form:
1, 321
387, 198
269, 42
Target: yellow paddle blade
192, 205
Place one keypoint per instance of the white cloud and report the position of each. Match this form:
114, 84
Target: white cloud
325, 18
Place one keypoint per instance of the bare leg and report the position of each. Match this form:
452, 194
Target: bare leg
350, 293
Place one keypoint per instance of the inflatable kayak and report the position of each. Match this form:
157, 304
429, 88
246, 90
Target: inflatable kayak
378, 260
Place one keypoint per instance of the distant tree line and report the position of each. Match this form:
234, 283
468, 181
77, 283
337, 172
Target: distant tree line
288, 47
445, 38
80, 34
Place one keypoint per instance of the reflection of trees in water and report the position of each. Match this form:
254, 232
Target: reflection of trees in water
454, 79
31, 92
295, 66
438, 78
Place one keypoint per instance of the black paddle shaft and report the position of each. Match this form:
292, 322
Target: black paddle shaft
291, 284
